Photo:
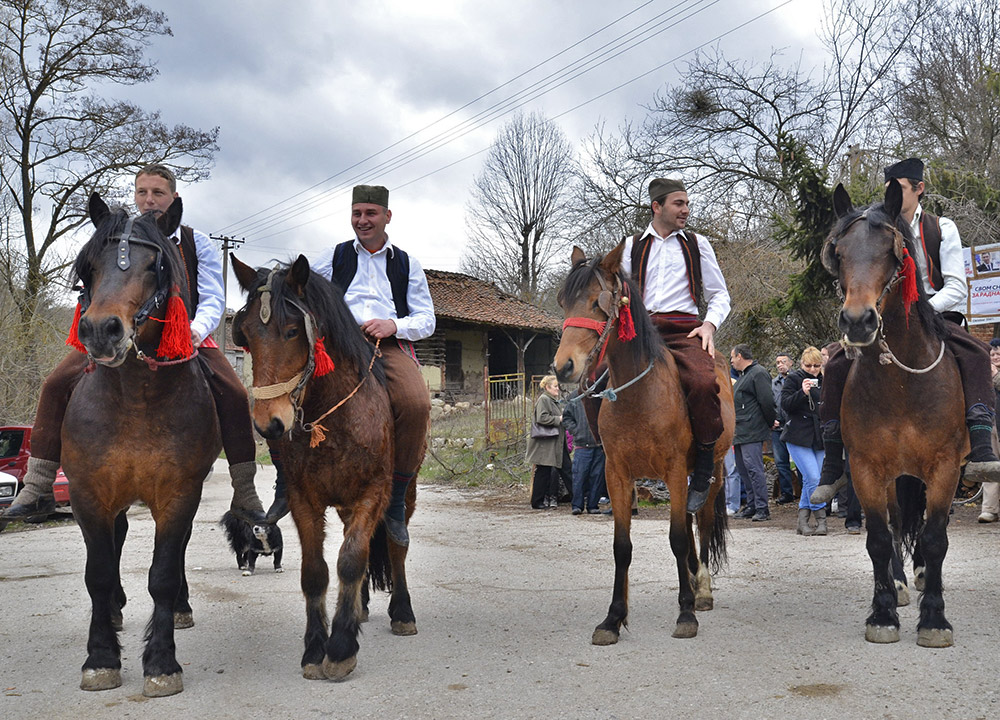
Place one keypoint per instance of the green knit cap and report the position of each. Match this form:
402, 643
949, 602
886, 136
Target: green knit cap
374, 194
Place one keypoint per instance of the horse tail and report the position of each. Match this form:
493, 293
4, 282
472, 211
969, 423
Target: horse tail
717, 553
379, 566
912, 498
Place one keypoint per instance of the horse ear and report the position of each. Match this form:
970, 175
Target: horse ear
577, 257
612, 262
97, 209
246, 276
298, 275
841, 201
829, 258
169, 221
893, 202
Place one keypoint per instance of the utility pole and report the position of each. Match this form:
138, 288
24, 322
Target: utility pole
228, 243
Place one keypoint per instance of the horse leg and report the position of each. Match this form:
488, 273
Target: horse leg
919, 566
682, 546
314, 578
403, 621
898, 571
342, 646
933, 630
121, 531
620, 492
183, 614
102, 668
162, 673
709, 516
882, 625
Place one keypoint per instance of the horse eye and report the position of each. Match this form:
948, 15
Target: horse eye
292, 332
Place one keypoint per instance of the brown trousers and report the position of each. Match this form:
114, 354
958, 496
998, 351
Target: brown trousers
411, 407
231, 405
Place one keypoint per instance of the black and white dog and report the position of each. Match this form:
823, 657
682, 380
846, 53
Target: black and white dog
249, 541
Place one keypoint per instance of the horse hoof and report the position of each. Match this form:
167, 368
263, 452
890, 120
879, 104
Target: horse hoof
704, 603
403, 628
902, 595
685, 630
247, 573
934, 637
604, 637
101, 679
183, 620
313, 672
162, 685
881, 634
277, 570
341, 669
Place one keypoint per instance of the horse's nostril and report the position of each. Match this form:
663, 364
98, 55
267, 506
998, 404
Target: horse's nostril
114, 329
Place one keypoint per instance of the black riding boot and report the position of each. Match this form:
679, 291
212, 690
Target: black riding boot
831, 478
395, 514
701, 478
279, 508
983, 462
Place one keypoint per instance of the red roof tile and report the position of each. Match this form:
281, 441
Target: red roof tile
468, 299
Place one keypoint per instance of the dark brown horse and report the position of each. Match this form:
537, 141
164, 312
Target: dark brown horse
294, 323
903, 414
136, 428
646, 432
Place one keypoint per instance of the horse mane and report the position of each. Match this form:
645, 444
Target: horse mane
334, 321
877, 218
110, 229
647, 343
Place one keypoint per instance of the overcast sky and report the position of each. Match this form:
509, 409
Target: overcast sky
318, 93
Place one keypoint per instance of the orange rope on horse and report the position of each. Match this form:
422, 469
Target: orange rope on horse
317, 432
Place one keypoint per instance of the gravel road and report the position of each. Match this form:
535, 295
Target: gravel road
506, 599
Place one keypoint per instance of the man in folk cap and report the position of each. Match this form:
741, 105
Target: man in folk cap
386, 291
675, 268
941, 268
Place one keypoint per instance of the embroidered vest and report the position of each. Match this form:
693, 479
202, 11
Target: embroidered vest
930, 243
692, 261
397, 269
189, 254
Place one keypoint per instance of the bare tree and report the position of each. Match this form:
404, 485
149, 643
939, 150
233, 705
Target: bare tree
517, 217
60, 140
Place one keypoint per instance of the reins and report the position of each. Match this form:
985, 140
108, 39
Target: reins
317, 433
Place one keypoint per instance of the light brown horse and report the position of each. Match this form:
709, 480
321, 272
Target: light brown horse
294, 317
903, 412
646, 432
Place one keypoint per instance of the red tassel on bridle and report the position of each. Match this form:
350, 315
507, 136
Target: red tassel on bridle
324, 363
626, 327
74, 332
909, 275
175, 341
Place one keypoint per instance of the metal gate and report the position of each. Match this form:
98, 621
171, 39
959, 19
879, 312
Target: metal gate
506, 409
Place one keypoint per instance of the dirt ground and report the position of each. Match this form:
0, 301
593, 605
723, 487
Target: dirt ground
506, 599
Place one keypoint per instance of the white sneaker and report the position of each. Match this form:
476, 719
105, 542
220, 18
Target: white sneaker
730, 512
988, 517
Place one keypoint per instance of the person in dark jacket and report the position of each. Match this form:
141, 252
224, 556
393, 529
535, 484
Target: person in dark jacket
548, 453
588, 459
783, 363
802, 435
755, 414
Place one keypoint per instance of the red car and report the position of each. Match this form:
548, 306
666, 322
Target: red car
15, 449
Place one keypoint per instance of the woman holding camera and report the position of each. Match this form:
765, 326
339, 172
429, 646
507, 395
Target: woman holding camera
802, 435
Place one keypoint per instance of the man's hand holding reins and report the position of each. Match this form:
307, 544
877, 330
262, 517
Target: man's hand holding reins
379, 328
705, 331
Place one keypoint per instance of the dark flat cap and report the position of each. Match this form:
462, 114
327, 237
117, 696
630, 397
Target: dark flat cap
374, 194
911, 169
659, 188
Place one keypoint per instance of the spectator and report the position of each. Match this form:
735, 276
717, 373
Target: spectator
991, 491
755, 416
783, 363
547, 445
800, 401
588, 459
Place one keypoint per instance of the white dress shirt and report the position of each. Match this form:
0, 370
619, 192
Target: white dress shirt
369, 296
211, 299
667, 288
954, 291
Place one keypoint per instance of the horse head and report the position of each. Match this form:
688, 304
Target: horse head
592, 298
128, 269
866, 251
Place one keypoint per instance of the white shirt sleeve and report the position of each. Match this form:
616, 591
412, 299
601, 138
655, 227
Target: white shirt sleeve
627, 256
420, 323
713, 284
952, 295
211, 297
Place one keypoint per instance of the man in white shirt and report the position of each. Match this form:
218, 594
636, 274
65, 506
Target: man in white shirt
674, 268
386, 291
941, 267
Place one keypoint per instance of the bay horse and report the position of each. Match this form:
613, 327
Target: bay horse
319, 393
903, 410
138, 426
646, 431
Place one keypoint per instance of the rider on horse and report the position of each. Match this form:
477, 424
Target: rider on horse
941, 268
386, 291
155, 190
674, 267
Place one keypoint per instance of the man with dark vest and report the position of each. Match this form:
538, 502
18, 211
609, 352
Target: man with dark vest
155, 190
674, 269
941, 268
386, 291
